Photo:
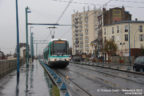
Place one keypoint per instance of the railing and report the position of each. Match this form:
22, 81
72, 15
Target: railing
56, 79
7, 66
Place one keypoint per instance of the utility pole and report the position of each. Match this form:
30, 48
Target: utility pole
18, 48
27, 44
39, 42
129, 46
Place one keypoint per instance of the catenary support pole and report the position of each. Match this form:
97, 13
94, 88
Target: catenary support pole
18, 48
27, 47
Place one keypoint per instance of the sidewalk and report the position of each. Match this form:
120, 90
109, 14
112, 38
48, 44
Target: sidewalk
33, 82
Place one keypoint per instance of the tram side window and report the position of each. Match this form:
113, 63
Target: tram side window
67, 46
52, 49
48, 53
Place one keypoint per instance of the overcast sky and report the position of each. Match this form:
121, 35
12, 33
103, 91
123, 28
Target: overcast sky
48, 11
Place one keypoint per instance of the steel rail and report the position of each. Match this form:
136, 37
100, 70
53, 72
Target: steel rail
89, 94
138, 73
112, 75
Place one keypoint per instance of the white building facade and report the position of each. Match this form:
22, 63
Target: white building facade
84, 30
120, 33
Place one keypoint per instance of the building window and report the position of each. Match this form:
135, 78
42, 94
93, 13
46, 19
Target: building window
112, 30
81, 42
141, 28
86, 46
126, 28
81, 46
141, 37
81, 38
117, 29
86, 37
113, 38
86, 41
86, 30
126, 37
76, 35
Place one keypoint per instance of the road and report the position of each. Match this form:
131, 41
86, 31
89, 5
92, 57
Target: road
85, 80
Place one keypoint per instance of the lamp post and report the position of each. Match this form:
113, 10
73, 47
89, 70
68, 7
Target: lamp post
18, 48
27, 44
128, 68
129, 46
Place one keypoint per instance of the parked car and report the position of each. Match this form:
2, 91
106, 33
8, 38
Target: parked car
139, 64
76, 58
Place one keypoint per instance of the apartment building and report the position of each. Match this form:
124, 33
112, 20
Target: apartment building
120, 32
85, 29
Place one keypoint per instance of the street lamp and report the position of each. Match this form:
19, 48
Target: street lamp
128, 68
129, 45
27, 10
18, 48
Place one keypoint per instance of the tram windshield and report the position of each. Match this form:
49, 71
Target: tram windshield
60, 48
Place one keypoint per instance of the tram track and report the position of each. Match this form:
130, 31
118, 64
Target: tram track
110, 74
118, 87
102, 82
108, 84
71, 81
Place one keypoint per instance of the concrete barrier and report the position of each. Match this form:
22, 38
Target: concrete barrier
6, 66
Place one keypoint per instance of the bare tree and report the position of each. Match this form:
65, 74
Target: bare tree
110, 47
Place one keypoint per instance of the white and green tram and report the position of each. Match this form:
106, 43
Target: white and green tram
56, 53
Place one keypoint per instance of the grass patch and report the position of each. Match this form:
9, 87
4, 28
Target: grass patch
55, 91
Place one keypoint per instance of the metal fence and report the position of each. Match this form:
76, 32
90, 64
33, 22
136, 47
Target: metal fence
7, 66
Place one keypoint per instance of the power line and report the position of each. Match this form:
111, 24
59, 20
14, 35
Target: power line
70, 1
75, 2
129, 1
105, 4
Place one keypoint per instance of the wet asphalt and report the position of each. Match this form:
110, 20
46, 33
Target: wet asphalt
85, 80
33, 81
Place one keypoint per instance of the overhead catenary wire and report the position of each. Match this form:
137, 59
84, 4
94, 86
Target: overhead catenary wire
76, 2
70, 1
105, 4
95, 4
93, 13
129, 1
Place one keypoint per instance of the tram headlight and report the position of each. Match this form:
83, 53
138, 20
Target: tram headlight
67, 59
51, 59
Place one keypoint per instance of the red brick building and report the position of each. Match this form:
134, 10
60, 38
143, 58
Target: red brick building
115, 15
